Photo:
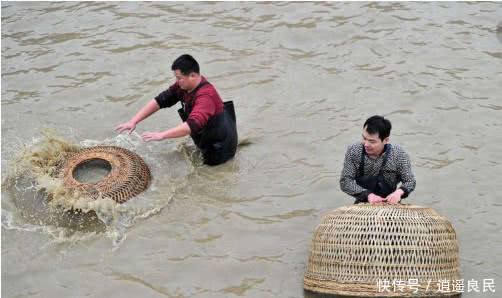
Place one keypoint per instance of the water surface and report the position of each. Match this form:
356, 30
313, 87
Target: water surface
303, 76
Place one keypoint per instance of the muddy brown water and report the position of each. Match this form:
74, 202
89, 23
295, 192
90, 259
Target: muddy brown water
303, 76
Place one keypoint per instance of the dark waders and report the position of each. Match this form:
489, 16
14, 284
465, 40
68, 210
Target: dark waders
218, 139
375, 184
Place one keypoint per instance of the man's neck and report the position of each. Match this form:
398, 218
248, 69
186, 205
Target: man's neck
373, 156
197, 84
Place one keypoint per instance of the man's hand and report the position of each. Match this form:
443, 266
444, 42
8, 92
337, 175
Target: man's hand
373, 198
395, 197
130, 126
153, 136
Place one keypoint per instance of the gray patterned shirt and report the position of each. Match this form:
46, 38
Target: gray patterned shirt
397, 169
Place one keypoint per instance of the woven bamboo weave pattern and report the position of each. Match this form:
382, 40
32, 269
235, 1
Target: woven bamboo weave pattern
129, 175
356, 246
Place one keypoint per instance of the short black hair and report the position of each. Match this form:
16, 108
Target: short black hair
378, 124
186, 64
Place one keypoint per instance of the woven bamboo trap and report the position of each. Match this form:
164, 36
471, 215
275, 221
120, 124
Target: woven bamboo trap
129, 175
356, 250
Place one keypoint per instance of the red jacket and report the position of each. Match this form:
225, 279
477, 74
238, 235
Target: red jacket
207, 103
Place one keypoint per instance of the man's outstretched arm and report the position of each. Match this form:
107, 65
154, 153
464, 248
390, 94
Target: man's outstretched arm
150, 108
176, 132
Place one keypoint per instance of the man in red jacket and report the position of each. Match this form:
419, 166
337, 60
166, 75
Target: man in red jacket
210, 122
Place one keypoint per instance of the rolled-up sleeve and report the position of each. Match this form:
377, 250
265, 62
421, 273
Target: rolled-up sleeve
203, 109
169, 97
348, 182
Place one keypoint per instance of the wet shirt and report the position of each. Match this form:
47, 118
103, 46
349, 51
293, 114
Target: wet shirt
207, 103
397, 170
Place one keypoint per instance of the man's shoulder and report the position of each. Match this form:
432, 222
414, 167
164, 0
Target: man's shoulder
355, 145
207, 90
399, 150
174, 88
206, 83
355, 148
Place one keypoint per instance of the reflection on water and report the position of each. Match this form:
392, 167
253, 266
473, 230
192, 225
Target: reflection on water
303, 76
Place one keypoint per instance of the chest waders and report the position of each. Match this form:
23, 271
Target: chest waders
375, 184
218, 139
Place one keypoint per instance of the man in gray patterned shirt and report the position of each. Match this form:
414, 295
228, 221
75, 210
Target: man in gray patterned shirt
373, 168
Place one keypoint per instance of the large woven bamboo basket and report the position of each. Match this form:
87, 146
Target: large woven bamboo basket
384, 250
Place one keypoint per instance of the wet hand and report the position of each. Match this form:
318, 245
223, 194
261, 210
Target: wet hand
373, 198
130, 126
395, 197
152, 136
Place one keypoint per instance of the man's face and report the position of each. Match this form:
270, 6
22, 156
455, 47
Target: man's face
185, 82
372, 143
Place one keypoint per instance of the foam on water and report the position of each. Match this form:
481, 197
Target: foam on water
37, 201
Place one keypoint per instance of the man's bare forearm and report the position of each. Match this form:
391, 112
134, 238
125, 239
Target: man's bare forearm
150, 108
176, 132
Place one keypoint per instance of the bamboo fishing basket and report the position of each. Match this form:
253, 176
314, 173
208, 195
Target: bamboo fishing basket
368, 249
129, 175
